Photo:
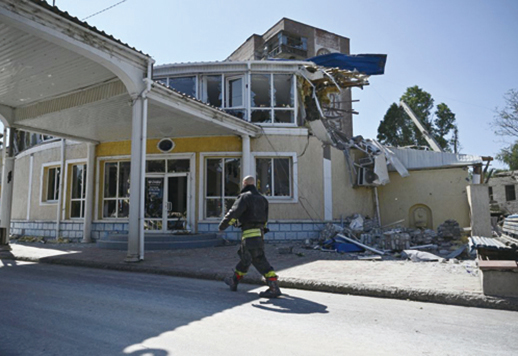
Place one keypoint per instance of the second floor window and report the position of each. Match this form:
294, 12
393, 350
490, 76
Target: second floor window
186, 85
272, 98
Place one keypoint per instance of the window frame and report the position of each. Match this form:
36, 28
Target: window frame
272, 109
44, 181
117, 198
294, 198
196, 83
83, 191
204, 156
508, 193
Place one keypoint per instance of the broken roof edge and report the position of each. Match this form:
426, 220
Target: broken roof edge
421, 160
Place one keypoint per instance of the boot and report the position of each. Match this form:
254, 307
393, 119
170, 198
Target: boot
273, 291
232, 282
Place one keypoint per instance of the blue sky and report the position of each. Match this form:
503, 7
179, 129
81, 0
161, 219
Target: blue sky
463, 52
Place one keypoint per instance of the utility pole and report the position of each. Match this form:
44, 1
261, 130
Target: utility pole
428, 137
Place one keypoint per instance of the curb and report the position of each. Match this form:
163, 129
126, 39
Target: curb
417, 295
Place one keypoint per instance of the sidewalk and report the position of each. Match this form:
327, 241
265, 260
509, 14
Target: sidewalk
446, 283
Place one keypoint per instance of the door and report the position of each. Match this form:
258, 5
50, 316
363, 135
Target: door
177, 203
167, 203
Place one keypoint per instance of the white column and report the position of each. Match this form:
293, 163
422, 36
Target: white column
29, 188
328, 184
61, 186
7, 191
89, 204
246, 168
136, 209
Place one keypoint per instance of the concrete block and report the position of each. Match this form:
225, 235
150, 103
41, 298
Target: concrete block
279, 236
291, 235
296, 227
65, 233
285, 227
118, 227
313, 235
302, 235
213, 227
307, 227
108, 227
501, 283
203, 227
233, 236
273, 227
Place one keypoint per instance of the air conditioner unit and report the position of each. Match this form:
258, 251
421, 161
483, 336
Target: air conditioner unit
366, 176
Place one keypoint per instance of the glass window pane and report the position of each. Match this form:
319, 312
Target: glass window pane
281, 177
51, 183
228, 204
232, 177
214, 177
155, 166
284, 116
77, 181
154, 225
261, 91
235, 92
213, 92
123, 208
178, 165
261, 116
283, 95
154, 197
56, 187
264, 175
110, 180
75, 209
213, 208
124, 179
110, 209
185, 85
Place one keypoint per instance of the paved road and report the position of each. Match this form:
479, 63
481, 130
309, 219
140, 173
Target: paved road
58, 310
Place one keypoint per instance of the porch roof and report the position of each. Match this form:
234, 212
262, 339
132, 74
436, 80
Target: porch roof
61, 77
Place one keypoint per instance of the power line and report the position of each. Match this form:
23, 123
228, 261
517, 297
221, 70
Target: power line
108, 8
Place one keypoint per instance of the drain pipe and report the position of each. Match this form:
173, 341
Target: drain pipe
61, 179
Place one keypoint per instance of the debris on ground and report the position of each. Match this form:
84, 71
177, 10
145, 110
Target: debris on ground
361, 234
420, 256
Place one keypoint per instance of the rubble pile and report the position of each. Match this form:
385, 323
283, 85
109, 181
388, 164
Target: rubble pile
365, 231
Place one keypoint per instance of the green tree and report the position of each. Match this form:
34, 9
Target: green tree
397, 129
509, 156
505, 122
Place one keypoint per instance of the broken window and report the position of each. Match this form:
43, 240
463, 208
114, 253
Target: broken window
78, 193
186, 85
273, 176
490, 191
510, 193
213, 90
272, 98
116, 189
223, 178
235, 92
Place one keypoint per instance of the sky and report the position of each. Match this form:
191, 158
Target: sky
462, 52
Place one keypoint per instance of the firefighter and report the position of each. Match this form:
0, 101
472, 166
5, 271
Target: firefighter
250, 211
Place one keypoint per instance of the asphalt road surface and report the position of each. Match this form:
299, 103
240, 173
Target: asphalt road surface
58, 310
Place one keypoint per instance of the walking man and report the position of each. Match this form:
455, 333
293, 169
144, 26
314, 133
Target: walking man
250, 210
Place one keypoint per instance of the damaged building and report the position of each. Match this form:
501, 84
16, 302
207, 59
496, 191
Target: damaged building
280, 108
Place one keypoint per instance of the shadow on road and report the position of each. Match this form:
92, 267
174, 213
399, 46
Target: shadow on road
291, 305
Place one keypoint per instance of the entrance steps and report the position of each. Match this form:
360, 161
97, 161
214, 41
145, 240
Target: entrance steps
162, 241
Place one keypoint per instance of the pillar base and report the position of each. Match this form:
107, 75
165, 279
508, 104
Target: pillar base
132, 259
5, 247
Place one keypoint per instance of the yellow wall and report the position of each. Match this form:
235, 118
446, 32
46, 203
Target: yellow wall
442, 190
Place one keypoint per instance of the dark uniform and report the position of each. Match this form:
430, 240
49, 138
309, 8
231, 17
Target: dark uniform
251, 211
